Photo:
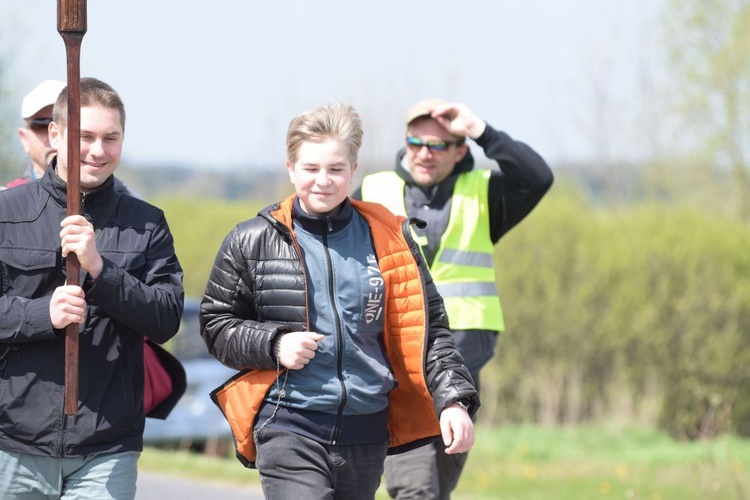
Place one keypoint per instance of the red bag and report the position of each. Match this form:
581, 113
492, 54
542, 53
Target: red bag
164, 382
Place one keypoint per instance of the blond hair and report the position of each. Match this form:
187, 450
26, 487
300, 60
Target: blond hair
338, 121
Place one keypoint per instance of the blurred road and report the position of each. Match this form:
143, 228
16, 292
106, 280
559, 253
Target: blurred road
162, 487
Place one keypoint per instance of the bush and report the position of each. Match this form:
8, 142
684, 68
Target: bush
638, 313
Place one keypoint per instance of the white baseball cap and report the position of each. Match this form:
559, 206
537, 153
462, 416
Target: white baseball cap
43, 95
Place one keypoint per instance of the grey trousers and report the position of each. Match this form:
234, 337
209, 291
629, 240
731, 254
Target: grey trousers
295, 467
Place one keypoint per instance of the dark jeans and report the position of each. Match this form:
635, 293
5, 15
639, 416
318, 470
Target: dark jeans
295, 467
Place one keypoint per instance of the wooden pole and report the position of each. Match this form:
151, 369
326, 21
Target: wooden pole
71, 24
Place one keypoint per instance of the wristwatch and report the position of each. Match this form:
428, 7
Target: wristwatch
463, 405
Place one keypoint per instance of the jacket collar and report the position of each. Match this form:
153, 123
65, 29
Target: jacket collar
58, 189
319, 224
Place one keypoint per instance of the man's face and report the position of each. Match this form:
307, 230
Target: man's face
428, 166
322, 176
35, 139
101, 146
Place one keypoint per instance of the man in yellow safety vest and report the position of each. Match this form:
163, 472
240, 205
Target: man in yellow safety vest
467, 210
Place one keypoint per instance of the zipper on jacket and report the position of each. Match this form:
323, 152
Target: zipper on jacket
63, 417
89, 218
63, 422
339, 335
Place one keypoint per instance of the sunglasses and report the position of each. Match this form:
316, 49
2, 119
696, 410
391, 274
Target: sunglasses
416, 144
39, 123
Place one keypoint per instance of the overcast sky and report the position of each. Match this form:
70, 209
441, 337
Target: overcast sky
214, 84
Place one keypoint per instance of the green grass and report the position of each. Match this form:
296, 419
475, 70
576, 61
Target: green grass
530, 462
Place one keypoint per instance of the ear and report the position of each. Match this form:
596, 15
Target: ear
461, 152
24, 139
354, 169
55, 135
290, 170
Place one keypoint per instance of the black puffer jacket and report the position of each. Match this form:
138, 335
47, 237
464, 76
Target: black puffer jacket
139, 293
257, 290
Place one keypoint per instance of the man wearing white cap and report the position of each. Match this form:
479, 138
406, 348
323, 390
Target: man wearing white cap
467, 210
36, 111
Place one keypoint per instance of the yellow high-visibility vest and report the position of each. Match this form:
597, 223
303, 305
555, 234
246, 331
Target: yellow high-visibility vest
464, 266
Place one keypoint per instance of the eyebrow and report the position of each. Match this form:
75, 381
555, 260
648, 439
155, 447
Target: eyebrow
312, 164
116, 133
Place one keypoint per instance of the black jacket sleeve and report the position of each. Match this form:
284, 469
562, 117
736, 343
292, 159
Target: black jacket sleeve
522, 181
140, 303
229, 321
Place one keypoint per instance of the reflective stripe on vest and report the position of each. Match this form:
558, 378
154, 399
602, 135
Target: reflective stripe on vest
467, 289
464, 269
477, 259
